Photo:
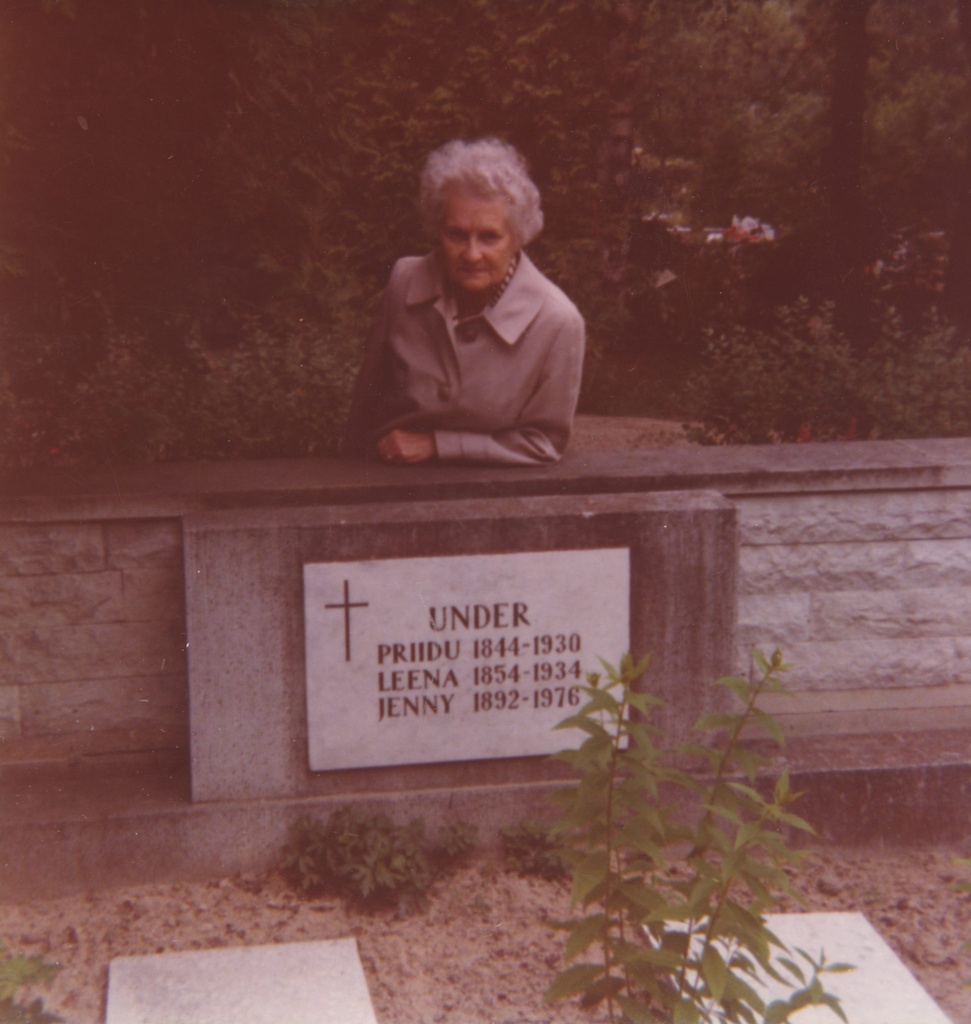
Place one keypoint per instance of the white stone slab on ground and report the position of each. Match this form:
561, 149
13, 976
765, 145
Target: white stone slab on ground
881, 990
296, 982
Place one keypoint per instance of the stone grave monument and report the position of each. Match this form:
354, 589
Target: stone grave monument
433, 646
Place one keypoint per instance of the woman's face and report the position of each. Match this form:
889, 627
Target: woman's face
477, 244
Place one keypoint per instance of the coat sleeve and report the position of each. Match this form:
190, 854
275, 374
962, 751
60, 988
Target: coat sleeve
542, 430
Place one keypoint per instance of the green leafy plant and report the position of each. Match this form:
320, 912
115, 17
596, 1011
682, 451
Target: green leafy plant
671, 894
533, 849
370, 859
456, 842
965, 885
15, 972
799, 378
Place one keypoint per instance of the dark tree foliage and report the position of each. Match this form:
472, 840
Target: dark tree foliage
853, 241
197, 162
194, 191
117, 218
958, 294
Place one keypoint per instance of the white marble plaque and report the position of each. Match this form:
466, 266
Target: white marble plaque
455, 658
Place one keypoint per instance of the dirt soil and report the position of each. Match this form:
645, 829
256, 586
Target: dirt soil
482, 953
625, 433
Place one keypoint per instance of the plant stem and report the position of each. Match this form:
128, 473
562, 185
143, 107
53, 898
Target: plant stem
724, 763
613, 855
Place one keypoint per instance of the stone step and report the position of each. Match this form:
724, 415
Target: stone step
297, 982
122, 821
879, 990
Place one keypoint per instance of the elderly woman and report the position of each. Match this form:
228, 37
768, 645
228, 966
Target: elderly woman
474, 355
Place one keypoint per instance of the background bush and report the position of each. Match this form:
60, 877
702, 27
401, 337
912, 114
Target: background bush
801, 379
267, 396
198, 190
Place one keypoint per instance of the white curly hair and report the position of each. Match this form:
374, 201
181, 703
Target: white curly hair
485, 169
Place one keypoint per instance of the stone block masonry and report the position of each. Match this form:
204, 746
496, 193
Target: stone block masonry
92, 638
869, 594
854, 558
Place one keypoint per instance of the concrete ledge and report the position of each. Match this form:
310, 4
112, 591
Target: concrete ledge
69, 829
149, 491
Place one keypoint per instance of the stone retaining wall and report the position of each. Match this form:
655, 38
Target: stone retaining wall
92, 638
869, 596
855, 559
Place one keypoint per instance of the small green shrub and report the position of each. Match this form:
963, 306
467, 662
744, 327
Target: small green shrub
531, 848
965, 884
456, 842
770, 385
15, 972
370, 860
801, 379
673, 901
917, 384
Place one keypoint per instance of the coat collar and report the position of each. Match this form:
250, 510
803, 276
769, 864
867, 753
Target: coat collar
509, 317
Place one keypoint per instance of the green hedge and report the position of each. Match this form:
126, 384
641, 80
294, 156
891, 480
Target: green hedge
801, 379
265, 397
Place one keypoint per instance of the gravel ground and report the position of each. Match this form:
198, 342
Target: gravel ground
482, 953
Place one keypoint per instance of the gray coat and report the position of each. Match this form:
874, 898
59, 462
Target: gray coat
501, 387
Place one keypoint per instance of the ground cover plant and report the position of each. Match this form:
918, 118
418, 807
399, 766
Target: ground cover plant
371, 860
673, 904
532, 848
16, 972
482, 951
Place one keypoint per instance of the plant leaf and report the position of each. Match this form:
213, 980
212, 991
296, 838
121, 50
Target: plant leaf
584, 932
588, 874
685, 1012
572, 981
715, 972
636, 1011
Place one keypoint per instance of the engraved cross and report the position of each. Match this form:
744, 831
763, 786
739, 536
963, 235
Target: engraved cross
347, 605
